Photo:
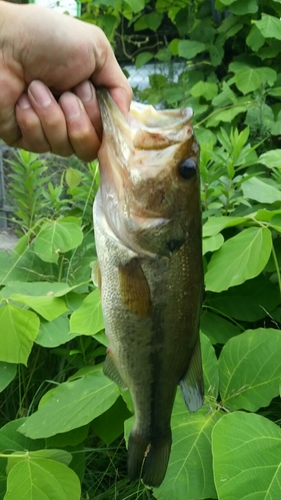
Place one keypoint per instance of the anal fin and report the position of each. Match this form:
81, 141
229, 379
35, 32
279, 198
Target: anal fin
110, 370
192, 385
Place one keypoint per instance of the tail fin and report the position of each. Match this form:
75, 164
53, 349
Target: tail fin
148, 460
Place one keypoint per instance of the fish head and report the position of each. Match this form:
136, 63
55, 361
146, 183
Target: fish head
150, 185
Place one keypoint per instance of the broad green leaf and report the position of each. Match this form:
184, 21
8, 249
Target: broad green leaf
247, 460
58, 236
271, 159
212, 243
239, 259
269, 26
189, 473
255, 40
73, 177
19, 328
218, 329
88, 319
9, 269
11, 440
71, 438
190, 48
47, 306
8, 372
72, 404
250, 369
253, 300
266, 215
247, 80
258, 190
215, 225
61, 456
42, 479
136, 5
242, 7
267, 75
151, 21
110, 425
226, 115
207, 90
54, 333
276, 223
36, 288
142, 59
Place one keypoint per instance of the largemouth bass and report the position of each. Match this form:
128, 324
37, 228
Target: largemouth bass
147, 223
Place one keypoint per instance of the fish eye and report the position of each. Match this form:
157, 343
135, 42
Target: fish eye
187, 168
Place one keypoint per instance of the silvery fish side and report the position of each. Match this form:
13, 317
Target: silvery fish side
147, 222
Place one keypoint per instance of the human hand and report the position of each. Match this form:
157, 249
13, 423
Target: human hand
45, 56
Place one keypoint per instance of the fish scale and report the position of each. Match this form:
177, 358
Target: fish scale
148, 240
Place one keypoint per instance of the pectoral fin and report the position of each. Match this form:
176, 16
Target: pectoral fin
110, 370
134, 289
192, 385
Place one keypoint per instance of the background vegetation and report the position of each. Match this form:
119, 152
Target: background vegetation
62, 421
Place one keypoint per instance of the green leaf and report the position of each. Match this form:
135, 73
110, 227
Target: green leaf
54, 333
88, 319
8, 372
250, 369
136, 5
40, 479
242, 7
190, 48
58, 237
247, 463
226, 115
73, 177
215, 225
143, 58
23, 327
61, 456
151, 21
269, 26
268, 75
271, 159
247, 80
217, 329
212, 243
253, 300
240, 258
110, 425
258, 190
255, 40
189, 474
72, 404
36, 288
47, 306
207, 90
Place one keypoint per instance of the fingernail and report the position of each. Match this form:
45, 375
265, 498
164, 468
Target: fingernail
71, 106
40, 93
85, 92
23, 102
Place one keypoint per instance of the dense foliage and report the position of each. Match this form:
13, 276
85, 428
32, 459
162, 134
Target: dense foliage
62, 420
